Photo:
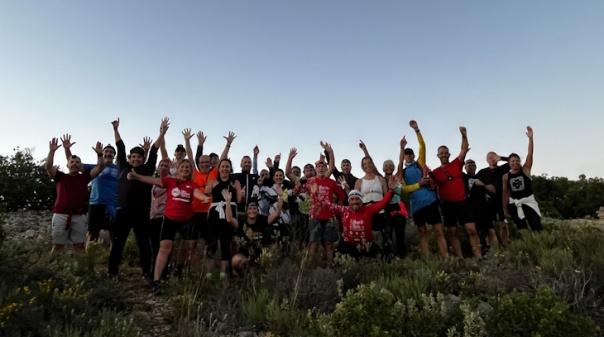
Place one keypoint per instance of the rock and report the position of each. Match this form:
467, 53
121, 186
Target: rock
451, 301
484, 308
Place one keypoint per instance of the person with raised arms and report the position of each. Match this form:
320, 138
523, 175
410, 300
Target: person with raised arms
134, 201
70, 208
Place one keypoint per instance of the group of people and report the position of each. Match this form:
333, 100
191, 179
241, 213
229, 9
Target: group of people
201, 197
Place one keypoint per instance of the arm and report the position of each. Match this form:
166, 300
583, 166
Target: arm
465, 146
165, 124
188, 148
333, 208
336, 174
240, 197
132, 175
120, 157
66, 140
100, 163
201, 139
272, 217
255, 160
366, 153
229, 139
344, 184
384, 185
197, 193
227, 209
358, 184
49, 164
528, 162
421, 159
331, 163
288, 166
401, 158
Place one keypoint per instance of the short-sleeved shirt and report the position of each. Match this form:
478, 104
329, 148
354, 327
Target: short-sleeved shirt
449, 178
104, 187
327, 187
201, 179
72, 193
179, 194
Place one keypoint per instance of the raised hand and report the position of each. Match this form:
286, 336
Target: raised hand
187, 134
66, 140
392, 183
146, 143
116, 124
230, 138
226, 195
413, 125
277, 158
403, 142
463, 130
256, 150
98, 149
529, 132
293, 152
342, 181
201, 138
269, 162
165, 125
362, 145
54, 144
326, 146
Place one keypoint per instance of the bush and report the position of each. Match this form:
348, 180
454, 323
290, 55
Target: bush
545, 314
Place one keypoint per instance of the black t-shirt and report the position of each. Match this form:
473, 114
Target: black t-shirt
494, 177
254, 232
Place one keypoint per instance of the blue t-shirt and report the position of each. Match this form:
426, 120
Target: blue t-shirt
104, 186
423, 196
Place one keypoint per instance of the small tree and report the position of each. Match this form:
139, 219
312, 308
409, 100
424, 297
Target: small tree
24, 182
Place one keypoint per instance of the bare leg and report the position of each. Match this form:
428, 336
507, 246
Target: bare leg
423, 240
56, 249
492, 238
441, 241
455, 243
474, 239
504, 233
165, 248
329, 250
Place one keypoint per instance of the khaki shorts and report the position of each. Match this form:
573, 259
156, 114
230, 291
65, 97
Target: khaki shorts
75, 234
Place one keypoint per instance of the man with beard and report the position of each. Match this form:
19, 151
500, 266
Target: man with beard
69, 211
103, 193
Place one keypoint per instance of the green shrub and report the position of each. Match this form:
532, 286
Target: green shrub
543, 315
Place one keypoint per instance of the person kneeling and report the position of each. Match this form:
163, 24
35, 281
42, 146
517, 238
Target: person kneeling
356, 221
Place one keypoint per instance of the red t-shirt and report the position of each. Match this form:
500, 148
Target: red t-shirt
201, 179
357, 225
449, 179
180, 194
72, 193
327, 187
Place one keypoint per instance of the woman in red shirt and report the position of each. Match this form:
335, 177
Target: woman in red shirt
180, 191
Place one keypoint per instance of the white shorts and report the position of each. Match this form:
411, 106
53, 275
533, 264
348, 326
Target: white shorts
75, 234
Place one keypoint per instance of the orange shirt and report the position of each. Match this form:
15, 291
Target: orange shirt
201, 179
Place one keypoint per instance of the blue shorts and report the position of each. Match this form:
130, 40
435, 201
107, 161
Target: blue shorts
323, 230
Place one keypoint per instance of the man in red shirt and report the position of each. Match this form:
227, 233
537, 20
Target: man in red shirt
69, 223
356, 220
322, 225
452, 194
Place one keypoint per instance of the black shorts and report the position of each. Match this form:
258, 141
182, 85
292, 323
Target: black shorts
428, 215
98, 219
455, 212
169, 228
496, 209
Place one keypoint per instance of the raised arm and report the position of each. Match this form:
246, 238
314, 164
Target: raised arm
49, 164
100, 162
188, 135
366, 153
401, 158
331, 159
421, 158
116, 133
227, 209
465, 146
325, 202
66, 140
201, 139
273, 216
288, 166
255, 160
528, 162
165, 124
229, 140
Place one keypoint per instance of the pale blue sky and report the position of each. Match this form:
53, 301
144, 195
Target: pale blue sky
282, 74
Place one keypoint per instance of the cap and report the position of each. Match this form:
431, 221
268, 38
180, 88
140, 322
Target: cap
179, 148
469, 161
409, 151
355, 193
139, 150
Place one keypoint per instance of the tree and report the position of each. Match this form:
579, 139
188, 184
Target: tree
24, 182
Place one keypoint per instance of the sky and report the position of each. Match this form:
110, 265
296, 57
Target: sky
283, 74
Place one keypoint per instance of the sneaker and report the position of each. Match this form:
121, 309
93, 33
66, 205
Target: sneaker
157, 288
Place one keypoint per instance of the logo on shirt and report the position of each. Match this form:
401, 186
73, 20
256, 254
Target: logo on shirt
517, 184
